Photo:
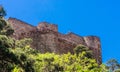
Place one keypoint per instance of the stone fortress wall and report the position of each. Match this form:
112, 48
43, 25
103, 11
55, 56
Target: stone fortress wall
46, 38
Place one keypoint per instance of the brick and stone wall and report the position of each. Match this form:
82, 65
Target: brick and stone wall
46, 38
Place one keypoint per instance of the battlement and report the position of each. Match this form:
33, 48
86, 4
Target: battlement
44, 26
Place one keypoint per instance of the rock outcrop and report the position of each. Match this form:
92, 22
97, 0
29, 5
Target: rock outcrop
46, 38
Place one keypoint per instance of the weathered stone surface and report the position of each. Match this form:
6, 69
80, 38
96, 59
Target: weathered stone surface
93, 43
46, 38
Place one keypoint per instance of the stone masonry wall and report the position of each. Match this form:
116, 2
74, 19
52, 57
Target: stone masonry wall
46, 38
93, 43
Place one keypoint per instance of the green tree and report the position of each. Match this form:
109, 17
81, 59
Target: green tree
10, 56
6, 57
113, 64
78, 62
81, 48
2, 12
5, 28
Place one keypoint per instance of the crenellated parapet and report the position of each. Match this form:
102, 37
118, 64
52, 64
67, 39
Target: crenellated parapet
44, 26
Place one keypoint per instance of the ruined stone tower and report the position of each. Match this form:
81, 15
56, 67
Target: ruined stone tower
46, 38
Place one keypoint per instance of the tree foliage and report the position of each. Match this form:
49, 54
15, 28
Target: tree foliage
7, 58
113, 65
81, 48
2, 12
5, 28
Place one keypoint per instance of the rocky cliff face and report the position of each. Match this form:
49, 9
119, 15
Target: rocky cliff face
46, 38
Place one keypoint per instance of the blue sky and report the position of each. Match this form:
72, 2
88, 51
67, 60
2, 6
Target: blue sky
83, 17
